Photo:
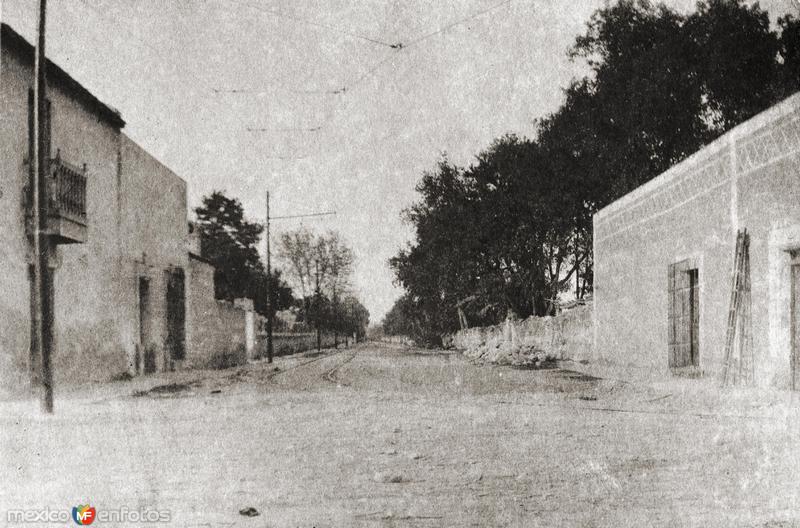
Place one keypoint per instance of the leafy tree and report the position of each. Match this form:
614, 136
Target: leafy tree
505, 235
435, 271
789, 54
337, 261
311, 256
297, 249
281, 298
230, 243
531, 214
404, 319
345, 317
662, 85
352, 317
736, 55
323, 261
640, 110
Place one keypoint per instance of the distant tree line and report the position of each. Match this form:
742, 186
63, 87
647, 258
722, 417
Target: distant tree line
513, 230
321, 266
230, 243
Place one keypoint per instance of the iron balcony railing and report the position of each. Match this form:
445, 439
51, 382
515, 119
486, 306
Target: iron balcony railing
67, 191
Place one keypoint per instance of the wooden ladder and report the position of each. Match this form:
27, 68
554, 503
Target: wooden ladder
739, 365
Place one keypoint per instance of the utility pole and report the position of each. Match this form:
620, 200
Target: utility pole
577, 270
42, 245
269, 291
316, 304
335, 318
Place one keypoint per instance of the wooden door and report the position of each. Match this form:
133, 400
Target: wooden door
176, 315
145, 325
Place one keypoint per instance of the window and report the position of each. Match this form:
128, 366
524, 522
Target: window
683, 317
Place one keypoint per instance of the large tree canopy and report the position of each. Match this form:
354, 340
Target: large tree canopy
512, 231
662, 85
505, 234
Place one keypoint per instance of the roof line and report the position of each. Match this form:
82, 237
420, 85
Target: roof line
13, 41
200, 258
757, 122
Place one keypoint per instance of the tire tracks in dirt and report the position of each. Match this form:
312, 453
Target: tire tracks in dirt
303, 364
331, 374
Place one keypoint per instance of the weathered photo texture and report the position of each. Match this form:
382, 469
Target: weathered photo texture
330, 263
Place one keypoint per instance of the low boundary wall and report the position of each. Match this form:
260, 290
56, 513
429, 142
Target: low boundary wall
284, 344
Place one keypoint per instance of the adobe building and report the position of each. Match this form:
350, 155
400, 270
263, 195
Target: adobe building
664, 256
123, 274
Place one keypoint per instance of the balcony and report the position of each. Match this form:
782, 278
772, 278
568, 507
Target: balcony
66, 218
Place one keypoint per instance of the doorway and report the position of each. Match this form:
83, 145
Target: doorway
147, 351
176, 314
683, 318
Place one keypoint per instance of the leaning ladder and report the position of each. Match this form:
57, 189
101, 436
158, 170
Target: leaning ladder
739, 365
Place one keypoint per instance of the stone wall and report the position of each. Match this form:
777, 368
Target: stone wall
216, 329
284, 344
565, 336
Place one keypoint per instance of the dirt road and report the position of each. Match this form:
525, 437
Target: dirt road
388, 436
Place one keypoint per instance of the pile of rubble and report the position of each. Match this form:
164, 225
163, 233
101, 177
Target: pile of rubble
531, 342
505, 354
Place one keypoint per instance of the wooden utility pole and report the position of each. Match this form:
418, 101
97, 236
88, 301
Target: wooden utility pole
335, 318
577, 270
42, 245
269, 291
316, 305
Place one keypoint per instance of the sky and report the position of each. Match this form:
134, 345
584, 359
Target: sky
310, 100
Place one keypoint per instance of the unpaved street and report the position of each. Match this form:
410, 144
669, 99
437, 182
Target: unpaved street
383, 435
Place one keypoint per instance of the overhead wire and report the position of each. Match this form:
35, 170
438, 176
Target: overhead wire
363, 77
157, 52
398, 47
310, 22
264, 91
290, 129
457, 23
342, 90
413, 42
